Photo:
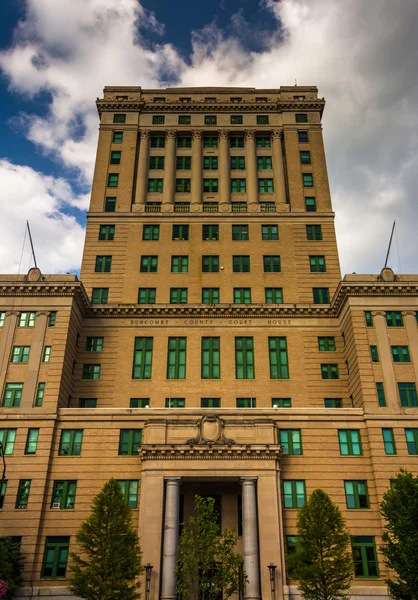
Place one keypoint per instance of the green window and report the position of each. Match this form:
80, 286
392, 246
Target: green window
317, 264
158, 119
350, 442
291, 440
241, 264
184, 142
12, 395
91, 372
142, 364
412, 440
242, 295
119, 118
236, 119
307, 180
237, 162
40, 392
7, 438
246, 402
364, 556
400, 354
262, 120
281, 402
388, 440
129, 441
294, 493
333, 402
180, 232
156, 162
20, 354
270, 232
176, 358
303, 137
115, 157
301, 118
183, 163
175, 402
103, 264
55, 559
87, 403
329, 371
155, 185
139, 403
210, 163
394, 318
374, 354
179, 264
314, 232
210, 232
27, 319
236, 142
240, 232
238, 185
210, 142
305, 157
265, 186
320, 295
210, 403
70, 442
52, 319
210, 264
210, 185
113, 180
110, 204
271, 264
129, 489
310, 204
211, 358
3, 487
408, 394
326, 344
106, 233
274, 295
63, 494
244, 358
368, 318
117, 137
210, 119
262, 142
380, 391
149, 264
157, 141
264, 162
279, 364
32, 441
356, 494
178, 295
183, 185
147, 295
2, 318
210, 295
22, 496
94, 344
99, 295
185, 119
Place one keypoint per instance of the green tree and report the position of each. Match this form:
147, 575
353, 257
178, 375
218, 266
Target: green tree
11, 565
208, 564
111, 557
323, 562
400, 536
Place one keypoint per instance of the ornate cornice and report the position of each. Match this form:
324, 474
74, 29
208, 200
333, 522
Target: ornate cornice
211, 451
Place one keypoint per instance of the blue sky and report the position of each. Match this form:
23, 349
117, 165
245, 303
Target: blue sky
56, 57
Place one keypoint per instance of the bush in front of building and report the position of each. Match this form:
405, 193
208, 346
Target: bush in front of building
11, 566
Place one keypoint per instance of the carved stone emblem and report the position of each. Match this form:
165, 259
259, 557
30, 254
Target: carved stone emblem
386, 274
34, 274
210, 431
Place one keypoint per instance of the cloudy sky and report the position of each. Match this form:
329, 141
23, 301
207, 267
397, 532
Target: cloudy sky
57, 55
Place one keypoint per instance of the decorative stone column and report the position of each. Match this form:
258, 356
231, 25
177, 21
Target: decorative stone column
385, 355
197, 166
170, 537
169, 166
410, 320
6, 344
250, 538
224, 180
252, 184
35, 358
142, 174
279, 183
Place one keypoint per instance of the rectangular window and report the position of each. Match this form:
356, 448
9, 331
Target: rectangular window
210, 264
119, 118
156, 162
310, 204
380, 391
400, 354
238, 185
103, 264
320, 295
301, 118
236, 120
176, 358
70, 442
356, 494
178, 295
7, 438
281, 402
374, 354
91, 372
157, 141
184, 142
87, 403
210, 119
115, 157
303, 137
350, 442
412, 440
242, 295
27, 319
408, 394
20, 354
326, 344
142, 363
236, 142
237, 162
12, 395
52, 319
180, 232
307, 180
279, 364
271, 264
179, 264
305, 157
210, 185
240, 232
241, 264
2, 318
210, 403
210, 142
99, 295
147, 295
210, 163
117, 137
364, 556
262, 142
22, 496
110, 204
32, 441
106, 233
368, 318
155, 185
183, 185
333, 402
294, 493
264, 163
274, 295
113, 180
184, 163
185, 120
149, 264
175, 402
246, 402
265, 186
158, 119
63, 494
94, 344
313, 232
139, 403
3, 487
210, 232
40, 392
244, 358
211, 358
55, 559
269, 232
394, 318
210, 295
129, 442
317, 264
291, 440
129, 489
388, 440
330, 371
262, 120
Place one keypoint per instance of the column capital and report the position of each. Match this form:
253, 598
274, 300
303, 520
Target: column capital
223, 134
43, 313
379, 313
250, 134
12, 313
277, 134
197, 134
145, 134
408, 313
248, 481
172, 480
170, 133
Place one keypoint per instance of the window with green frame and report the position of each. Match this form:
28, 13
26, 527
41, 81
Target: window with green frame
158, 119
374, 354
326, 343
270, 232
46, 355
115, 157
210, 163
291, 440
32, 440
117, 137
333, 402
210, 296
310, 204
175, 402
129, 489
155, 185
27, 319
210, 264
2, 318
317, 264
305, 157
329, 371
3, 488
12, 395
263, 142
307, 180
314, 232
237, 162
94, 344
388, 440
380, 391
265, 186
241, 264
368, 317
139, 403
99, 295
246, 402
129, 442
8, 438
185, 119
411, 436
279, 363
210, 119
156, 162
149, 264
303, 137
176, 358
52, 319
294, 493
244, 358
90, 372
242, 295
87, 403
106, 233
147, 295
364, 556
184, 163
183, 185
400, 354
211, 358
178, 295
103, 264
271, 264
408, 394
301, 118
273, 295
157, 141
236, 142
179, 264
210, 403
180, 232
210, 185
110, 204
394, 318
70, 442
142, 361
264, 163
356, 494
113, 180
281, 402
350, 442
238, 185
240, 232
55, 559
210, 141
210, 232
40, 392
20, 354
236, 119
119, 118
184, 141
151, 233
320, 295
63, 493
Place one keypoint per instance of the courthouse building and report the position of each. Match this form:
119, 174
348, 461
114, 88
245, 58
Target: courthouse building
210, 346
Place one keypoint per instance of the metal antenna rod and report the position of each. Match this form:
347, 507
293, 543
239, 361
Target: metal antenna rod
31, 244
390, 243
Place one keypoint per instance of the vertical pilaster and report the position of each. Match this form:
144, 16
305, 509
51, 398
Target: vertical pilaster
169, 167
35, 357
250, 538
385, 354
142, 173
410, 320
6, 344
279, 183
224, 179
197, 166
171, 537
252, 185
